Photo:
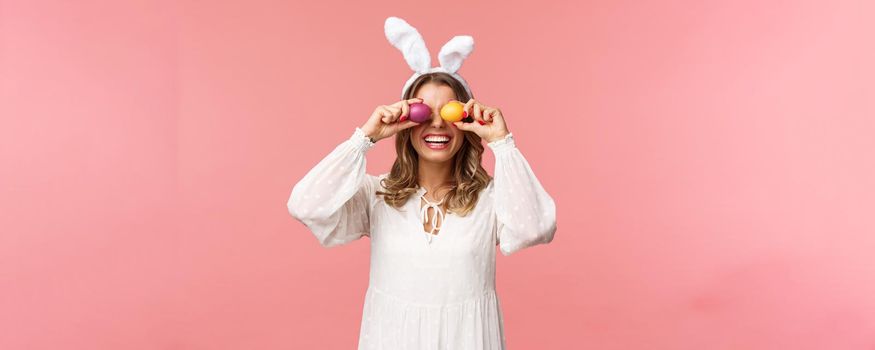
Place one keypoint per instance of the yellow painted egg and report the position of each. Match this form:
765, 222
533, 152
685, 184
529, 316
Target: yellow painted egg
453, 111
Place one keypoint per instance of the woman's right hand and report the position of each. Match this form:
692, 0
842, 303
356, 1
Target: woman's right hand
389, 120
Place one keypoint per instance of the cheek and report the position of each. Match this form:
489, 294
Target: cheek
459, 140
459, 136
415, 135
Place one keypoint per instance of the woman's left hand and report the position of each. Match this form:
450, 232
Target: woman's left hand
488, 121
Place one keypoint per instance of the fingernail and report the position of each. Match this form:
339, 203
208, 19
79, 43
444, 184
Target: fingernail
481, 122
403, 118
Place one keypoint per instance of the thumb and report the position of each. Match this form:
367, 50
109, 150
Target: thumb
467, 126
405, 125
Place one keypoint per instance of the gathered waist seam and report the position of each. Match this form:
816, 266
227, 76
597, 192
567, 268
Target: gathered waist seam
485, 293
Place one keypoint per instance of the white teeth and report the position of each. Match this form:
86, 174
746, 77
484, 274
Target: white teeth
437, 139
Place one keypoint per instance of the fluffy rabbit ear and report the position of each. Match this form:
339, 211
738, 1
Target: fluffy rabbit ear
407, 39
455, 51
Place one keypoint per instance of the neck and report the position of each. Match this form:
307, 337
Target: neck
434, 175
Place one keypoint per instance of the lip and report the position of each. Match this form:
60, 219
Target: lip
436, 147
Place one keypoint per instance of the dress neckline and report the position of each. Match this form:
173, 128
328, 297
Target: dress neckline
438, 215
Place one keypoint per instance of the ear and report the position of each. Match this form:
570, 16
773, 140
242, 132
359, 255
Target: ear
407, 39
455, 51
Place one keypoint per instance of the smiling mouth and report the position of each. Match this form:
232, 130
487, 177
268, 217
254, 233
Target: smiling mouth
437, 142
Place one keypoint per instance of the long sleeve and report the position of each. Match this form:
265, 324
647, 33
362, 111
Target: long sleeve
333, 199
525, 213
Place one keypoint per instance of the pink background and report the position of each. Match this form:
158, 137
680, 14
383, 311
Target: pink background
712, 164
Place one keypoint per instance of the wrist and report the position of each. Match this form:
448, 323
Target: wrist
501, 136
503, 144
360, 140
369, 134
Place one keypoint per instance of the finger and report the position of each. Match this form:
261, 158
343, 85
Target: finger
497, 113
394, 109
468, 105
397, 127
478, 112
405, 111
408, 101
406, 125
386, 115
483, 120
489, 114
498, 119
472, 127
396, 112
378, 112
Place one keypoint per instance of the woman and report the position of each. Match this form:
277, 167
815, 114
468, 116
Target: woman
433, 221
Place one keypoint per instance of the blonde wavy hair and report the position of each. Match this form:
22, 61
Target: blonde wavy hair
469, 176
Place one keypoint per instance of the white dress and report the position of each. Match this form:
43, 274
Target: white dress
426, 291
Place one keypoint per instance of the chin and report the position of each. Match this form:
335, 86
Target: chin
435, 158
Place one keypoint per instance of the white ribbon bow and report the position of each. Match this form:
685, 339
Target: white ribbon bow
438, 214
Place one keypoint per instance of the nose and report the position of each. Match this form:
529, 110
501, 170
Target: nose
436, 120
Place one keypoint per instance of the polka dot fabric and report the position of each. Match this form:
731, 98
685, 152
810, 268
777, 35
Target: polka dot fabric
436, 294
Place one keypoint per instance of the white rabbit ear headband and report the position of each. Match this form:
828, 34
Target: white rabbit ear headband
407, 39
